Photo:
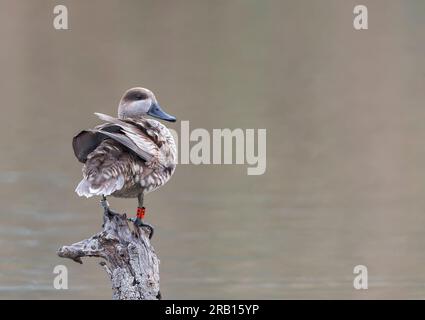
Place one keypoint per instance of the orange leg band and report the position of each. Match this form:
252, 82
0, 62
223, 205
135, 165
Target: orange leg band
141, 212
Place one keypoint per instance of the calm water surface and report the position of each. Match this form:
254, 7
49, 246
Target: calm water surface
345, 119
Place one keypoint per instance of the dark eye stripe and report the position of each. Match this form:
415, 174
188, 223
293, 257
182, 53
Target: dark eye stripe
136, 95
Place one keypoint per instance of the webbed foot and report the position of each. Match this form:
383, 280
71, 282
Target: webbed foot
138, 221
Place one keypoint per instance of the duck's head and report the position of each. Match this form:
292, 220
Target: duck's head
138, 102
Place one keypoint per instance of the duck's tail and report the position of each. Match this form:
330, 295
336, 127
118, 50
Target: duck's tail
88, 189
102, 172
83, 189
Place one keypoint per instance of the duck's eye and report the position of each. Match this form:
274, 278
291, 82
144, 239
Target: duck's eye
132, 96
141, 97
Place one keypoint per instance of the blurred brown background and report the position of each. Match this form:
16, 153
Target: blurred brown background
345, 118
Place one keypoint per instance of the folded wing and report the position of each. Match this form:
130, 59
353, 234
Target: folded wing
127, 134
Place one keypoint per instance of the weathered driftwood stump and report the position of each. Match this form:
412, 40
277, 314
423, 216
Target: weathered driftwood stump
130, 260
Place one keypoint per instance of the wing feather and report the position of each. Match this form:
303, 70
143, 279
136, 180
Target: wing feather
133, 138
127, 142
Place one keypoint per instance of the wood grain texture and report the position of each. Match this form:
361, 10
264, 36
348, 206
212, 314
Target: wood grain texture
128, 258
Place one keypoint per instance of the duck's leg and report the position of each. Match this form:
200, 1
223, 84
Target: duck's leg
138, 221
105, 205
